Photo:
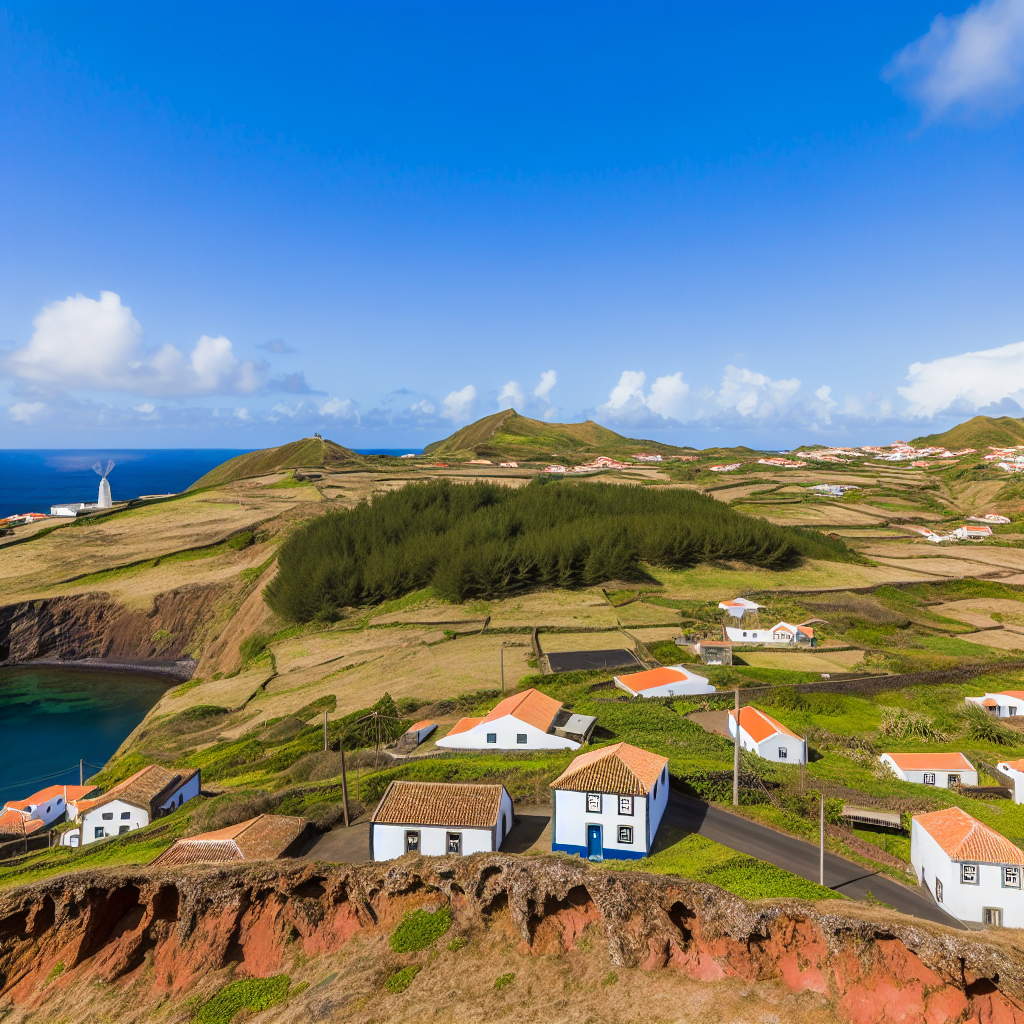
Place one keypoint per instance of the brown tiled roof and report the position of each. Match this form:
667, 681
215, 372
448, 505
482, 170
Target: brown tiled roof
530, 706
621, 768
925, 762
759, 726
964, 838
265, 837
147, 788
447, 804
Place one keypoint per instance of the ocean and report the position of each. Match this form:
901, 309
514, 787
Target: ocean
31, 480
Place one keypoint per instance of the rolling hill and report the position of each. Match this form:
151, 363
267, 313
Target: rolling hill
978, 433
507, 435
308, 453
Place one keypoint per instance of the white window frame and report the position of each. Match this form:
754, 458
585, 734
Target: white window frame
522, 738
449, 837
938, 891
784, 753
928, 778
1011, 871
987, 915
413, 832
970, 874
626, 806
593, 803
625, 834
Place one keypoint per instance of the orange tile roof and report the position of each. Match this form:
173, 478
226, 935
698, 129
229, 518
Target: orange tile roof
463, 725
1016, 694
12, 824
265, 837
964, 838
1017, 766
759, 726
621, 768
922, 762
445, 804
640, 681
990, 702
73, 793
530, 706
420, 725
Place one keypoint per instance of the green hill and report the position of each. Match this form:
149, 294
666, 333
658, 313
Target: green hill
507, 435
978, 433
309, 453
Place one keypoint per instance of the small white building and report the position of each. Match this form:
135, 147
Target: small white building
942, 770
50, 804
971, 871
68, 509
1015, 769
147, 795
782, 634
530, 720
768, 738
739, 606
670, 681
440, 818
415, 735
972, 532
1003, 705
609, 803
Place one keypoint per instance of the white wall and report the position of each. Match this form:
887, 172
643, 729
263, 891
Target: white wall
186, 792
49, 810
506, 730
796, 748
1018, 781
682, 688
121, 814
1006, 706
572, 818
968, 777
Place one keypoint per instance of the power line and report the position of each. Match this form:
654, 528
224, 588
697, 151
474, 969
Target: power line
43, 778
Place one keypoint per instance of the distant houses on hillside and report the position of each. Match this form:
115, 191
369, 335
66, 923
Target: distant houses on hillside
1005, 704
932, 769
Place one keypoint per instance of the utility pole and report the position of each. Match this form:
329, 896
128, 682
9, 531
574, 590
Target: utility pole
503, 669
821, 843
81, 771
344, 780
736, 754
325, 730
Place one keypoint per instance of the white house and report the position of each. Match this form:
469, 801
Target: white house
530, 720
67, 509
1015, 769
48, 805
942, 770
439, 818
972, 871
972, 532
739, 606
768, 738
609, 803
781, 634
147, 795
1002, 705
671, 681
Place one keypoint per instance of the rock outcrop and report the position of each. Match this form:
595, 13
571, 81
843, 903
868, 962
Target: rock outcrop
159, 935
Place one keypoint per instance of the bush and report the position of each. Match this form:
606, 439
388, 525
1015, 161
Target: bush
979, 724
486, 541
325, 815
420, 929
504, 980
252, 994
231, 808
319, 765
456, 944
253, 647
785, 697
900, 724
401, 980
670, 653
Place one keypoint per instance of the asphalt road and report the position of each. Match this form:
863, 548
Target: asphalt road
853, 880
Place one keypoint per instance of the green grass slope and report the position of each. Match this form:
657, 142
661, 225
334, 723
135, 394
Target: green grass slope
309, 453
506, 434
978, 432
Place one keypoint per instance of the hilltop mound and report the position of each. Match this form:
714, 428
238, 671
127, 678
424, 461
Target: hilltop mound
506, 434
978, 433
309, 453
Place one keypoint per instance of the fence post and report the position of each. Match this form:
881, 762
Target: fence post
325, 730
821, 843
736, 754
344, 780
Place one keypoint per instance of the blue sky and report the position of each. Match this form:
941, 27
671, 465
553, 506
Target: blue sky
229, 225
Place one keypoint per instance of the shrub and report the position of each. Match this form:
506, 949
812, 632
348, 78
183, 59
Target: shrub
252, 994
610, 978
420, 929
318, 765
456, 944
240, 540
900, 724
786, 697
401, 980
325, 815
979, 724
670, 653
231, 808
253, 647
504, 980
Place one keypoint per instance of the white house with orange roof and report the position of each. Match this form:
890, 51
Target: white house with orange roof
1015, 770
764, 736
1003, 705
49, 804
782, 634
609, 803
971, 871
971, 531
932, 769
670, 681
530, 720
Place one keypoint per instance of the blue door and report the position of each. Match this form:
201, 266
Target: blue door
595, 847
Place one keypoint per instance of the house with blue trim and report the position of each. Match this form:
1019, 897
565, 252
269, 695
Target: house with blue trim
609, 803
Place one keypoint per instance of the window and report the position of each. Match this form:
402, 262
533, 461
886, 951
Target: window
108, 815
492, 737
454, 844
125, 815
122, 829
993, 916
938, 891
625, 805
929, 778
520, 737
952, 780
1011, 878
626, 834
655, 797
47, 808
593, 803
412, 842
968, 874
783, 753
744, 634
1011, 710
98, 832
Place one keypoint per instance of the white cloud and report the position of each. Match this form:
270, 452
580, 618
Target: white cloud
976, 379
826, 403
282, 410
145, 408
80, 342
243, 414
27, 412
511, 396
458, 404
666, 398
754, 394
971, 62
339, 408
423, 406
548, 379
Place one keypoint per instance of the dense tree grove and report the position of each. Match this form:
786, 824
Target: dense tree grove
486, 541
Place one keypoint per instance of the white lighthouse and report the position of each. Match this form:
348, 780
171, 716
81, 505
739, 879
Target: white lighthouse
103, 501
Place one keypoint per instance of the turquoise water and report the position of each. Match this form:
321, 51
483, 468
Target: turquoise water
51, 716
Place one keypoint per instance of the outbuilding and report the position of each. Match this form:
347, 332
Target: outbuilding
670, 681
415, 735
609, 803
1015, 771
932, 769
763, 735
1003, 705
439, 818
971, 871
265, 837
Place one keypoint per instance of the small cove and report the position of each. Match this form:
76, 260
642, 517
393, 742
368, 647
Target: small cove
52, 716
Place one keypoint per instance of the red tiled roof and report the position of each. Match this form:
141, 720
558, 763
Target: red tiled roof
445, 804
463, 725
73, 793
530, 706
1017, 766
924, 762
759, 726
964, 838
621, 768
1015, 694
654, 677
265, 837
420, 725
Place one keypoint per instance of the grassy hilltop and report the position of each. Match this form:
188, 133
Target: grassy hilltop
978, 433
307, 453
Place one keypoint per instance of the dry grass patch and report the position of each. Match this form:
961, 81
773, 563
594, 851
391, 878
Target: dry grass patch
836, 661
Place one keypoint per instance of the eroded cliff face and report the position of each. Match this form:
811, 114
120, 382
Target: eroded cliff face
95, 626
145, 941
